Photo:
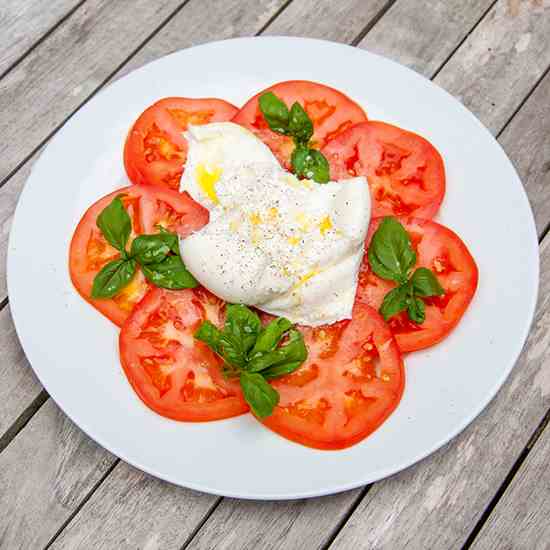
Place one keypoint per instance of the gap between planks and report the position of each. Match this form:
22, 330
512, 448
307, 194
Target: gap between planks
41, 39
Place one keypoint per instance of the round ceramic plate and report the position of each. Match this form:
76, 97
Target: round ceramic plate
73, 349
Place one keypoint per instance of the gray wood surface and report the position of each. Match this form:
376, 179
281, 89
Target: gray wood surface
23, 23
19, 386
422, 35
44, 472
521, 518
57, 485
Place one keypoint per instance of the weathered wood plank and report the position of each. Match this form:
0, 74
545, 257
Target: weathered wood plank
18, 385
24, 23
423, 40
42, 90
248, 525
527, 141
510, 46
44, 473
520, 520
336, 21
436, 503
133, 510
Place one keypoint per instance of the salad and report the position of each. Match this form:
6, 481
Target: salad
279, 259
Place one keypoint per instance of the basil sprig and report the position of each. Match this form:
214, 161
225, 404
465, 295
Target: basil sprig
254, 353
158, 255
392, 257
306, 161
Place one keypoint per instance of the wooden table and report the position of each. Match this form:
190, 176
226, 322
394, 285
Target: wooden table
489, 488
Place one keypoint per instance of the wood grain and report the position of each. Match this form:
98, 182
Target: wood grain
336, 21
18, 385
421, 35
527, 140
521, 518
134, 510
52, 81
44, 473
23, 23
500, 62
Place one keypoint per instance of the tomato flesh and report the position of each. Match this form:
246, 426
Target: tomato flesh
351, 382
156, 150
174, 374
148, 208
442, 251
330, 111
405, 172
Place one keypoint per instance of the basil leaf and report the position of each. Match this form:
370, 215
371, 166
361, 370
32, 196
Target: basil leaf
425, 283
271, 335
310, 164
261, 397
170, 273
150, 249
171, 239
243, 323
209, 334
113, 277
300, 126
390, 253
416, 310
395, 301
115, 224
280, 370
275, 113
293, 351
231, 350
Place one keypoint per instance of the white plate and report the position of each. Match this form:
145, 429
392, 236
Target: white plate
73, 349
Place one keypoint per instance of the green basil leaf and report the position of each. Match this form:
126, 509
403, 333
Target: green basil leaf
113, 277
390, 253
300, 126
395, 301
425, 283
210, 334
231, 349
222, 343
115, 224
170, 273
171, 239
310, 164
271, 335
243, 323
275, 113
280, 370
416, 310
261, 397
293, 351
150, 249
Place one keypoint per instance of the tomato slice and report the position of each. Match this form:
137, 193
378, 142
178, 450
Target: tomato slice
442, 251
155, 149
351, 382
405, 172
330, 111
148, 207
174, 374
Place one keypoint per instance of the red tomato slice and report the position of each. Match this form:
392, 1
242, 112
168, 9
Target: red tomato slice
405, 172
174, 374
442, 251
155, 149
330, 111
148, 207
351, 382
